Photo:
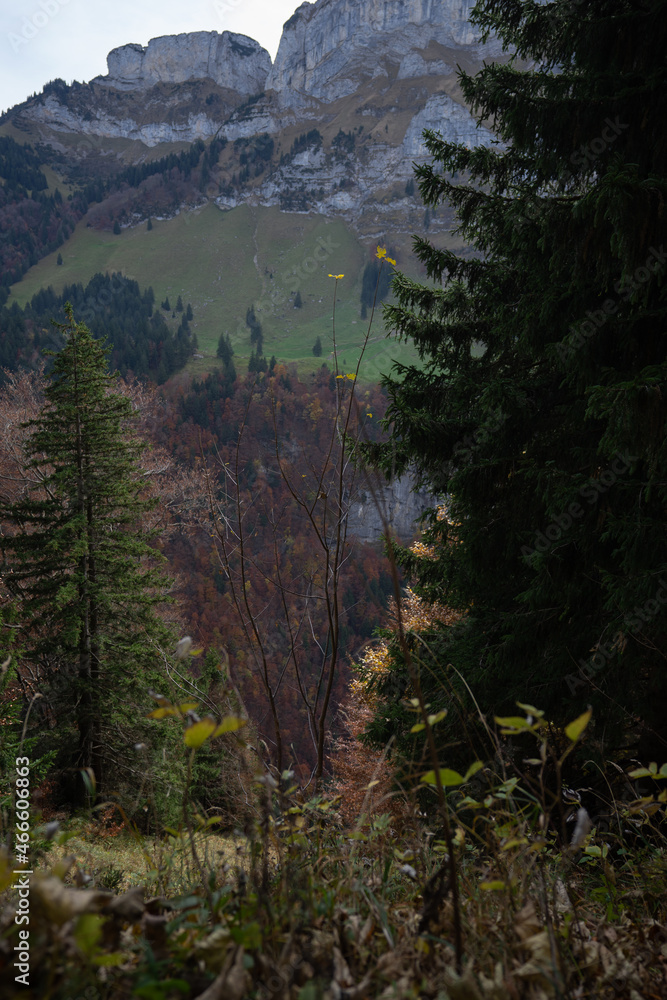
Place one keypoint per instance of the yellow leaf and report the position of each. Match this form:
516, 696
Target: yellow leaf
473, 769
576, 728
513, 722
336, 276
187, 706
161, 713
417, 728
448, 778
390, 261
371, 784
229, 725
530, 709
381, 252
492, 886
195, 735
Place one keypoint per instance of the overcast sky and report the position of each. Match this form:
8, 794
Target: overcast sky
44, 39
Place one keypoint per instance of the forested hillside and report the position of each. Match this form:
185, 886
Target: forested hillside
194, 432
142, 342
33, 221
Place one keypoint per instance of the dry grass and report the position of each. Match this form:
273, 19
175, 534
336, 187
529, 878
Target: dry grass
301, 909
162, 864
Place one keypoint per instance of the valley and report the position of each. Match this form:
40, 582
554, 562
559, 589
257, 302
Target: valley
222, 262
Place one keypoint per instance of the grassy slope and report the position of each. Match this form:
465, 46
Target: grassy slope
222, 262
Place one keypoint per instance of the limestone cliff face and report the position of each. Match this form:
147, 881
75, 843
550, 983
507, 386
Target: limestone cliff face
376, 72
233, 61
396, 505
329, 47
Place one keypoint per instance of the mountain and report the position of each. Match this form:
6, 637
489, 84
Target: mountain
197, 167
330, 49
256, 178
367, 75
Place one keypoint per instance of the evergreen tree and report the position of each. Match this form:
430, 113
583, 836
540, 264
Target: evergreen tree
116, 228
540, 408
256, 334
317, 348
225, 351
257, 363
375, 284
77, 562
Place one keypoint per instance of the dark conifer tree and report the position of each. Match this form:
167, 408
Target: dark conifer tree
78, 560
541, 406
225, 351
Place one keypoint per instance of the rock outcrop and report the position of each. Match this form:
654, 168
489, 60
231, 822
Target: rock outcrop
396, 505
233, 61
329, 47
364, 77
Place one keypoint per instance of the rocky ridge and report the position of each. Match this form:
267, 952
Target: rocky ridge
232, 61
329, 50
376, 72
329, 47
380, 71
